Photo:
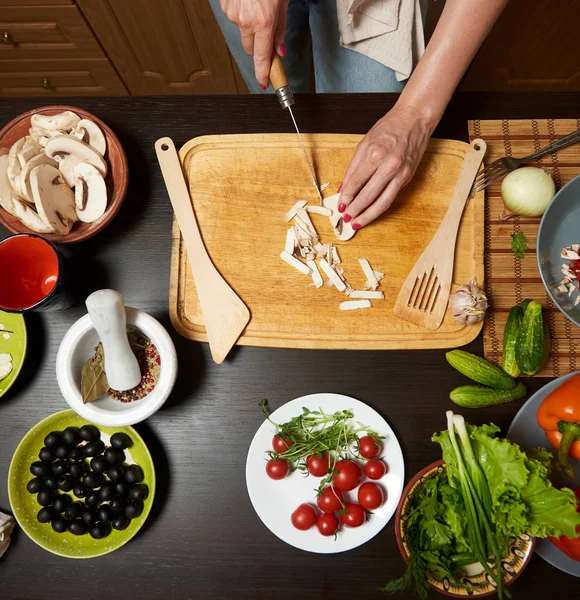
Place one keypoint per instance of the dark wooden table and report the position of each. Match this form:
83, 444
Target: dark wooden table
203, 539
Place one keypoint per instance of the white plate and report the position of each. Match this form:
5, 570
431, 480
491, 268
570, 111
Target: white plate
275, 501
526, 432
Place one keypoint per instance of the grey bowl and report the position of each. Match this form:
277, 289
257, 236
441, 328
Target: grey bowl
560, 227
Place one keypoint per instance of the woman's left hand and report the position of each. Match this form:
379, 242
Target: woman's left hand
384, 162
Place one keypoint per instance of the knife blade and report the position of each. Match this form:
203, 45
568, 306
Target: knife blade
286, 99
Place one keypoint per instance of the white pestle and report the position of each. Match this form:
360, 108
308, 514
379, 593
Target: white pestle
108, 315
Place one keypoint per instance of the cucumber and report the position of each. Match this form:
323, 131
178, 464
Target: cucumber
480, 370
476, 396
532, 345
510, 336
524, 305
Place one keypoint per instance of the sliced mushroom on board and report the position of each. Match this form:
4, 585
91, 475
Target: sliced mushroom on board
67, 149
90, 193
342, 230
64, 121
90, 133
55, 201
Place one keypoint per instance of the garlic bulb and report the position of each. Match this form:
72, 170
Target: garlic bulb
6, 527
468, 303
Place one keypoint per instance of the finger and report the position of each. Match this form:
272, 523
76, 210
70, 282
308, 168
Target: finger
362, 173
370, 192
382, 203
248, 40
263, 50
281, 29
354, 163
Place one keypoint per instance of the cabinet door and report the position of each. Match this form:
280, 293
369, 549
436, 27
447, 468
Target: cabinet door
163, 46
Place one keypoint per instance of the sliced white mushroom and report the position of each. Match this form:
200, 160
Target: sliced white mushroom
5, 358
575, 248
367, 295
62, 147
42, 136
335, 257
89, 132
6, 191
569, 254
290, 214
63, 122
90, 193
354, 304
332, 275
570, 289
5, 370
14, 169
39, 159
29, 217
319, 210
55, 201
342, 230
28, 151
379, 276
316, 276
563, 289
577, 301
370, 274
324, 186
291, 241
294, 262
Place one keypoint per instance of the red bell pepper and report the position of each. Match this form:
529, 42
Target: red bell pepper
571, 547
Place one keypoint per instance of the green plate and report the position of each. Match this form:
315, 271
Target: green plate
13, 342
25, 507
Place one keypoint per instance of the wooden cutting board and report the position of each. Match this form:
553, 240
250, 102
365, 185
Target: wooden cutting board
509, 280
242, 185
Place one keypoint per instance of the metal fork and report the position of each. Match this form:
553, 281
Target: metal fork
502, 166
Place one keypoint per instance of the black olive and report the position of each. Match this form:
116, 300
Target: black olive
62, 451
98, 464
89, 517
115, 472
74, 510
122, 489
70, 436
35, 485
50, 483
52, 439
133, 509
92, 500
61, 502
77, 469
113, 456
99, 531
107, 492
65, 483
45, 514
78, 527
89, 433
76, 454
44, 498
138, 492
59, 524
121, 441
45, 454
79, 489
41, 469
117, 504
93, 448
133, 474
92, 480
105, 514
60, 467
120, 522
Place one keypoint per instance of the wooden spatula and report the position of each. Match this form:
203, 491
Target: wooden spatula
425, 293
224, 314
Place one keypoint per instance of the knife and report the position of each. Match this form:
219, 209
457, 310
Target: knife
286, 99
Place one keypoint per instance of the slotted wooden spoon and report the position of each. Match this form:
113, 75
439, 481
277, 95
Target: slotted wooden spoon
424, 296
224, 314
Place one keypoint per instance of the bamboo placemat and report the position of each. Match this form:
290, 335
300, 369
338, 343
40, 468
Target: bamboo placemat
509, 280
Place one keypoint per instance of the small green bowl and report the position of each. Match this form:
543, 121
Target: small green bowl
25, 507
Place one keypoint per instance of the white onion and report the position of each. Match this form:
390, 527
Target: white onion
528, 191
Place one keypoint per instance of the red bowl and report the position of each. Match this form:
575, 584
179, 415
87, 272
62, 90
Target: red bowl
520, 552
117, 177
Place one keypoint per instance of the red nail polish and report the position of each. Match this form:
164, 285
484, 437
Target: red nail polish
341, 207
339, 188
347, 218
282, 50
355, 226
263, 86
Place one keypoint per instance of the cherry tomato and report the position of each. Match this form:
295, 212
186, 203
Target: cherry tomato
277, 468
331, 500
280, 444
354, 515
368, 447
327, 524
318, 464
348, 475
370, 495
303, 517
375, 469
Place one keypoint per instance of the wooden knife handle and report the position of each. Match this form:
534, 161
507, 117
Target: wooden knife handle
277, 73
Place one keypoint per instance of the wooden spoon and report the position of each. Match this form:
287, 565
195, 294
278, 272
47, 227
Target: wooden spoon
224, 313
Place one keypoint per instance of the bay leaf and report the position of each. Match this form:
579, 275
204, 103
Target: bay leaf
94, 382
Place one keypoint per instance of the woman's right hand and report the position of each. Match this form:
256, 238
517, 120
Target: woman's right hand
262, 24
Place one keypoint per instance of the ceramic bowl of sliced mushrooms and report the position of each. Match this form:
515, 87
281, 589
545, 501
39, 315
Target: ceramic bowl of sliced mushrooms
63, 174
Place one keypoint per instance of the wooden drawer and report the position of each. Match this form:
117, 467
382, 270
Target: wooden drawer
31, 32
35, 2
65, 77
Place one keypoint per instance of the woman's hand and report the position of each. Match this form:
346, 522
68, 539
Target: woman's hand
384, 162
262, 24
